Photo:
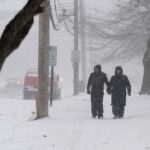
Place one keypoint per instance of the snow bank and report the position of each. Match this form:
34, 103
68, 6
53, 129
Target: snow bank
70, 126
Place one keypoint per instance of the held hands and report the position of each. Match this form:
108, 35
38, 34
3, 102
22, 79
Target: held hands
109, 91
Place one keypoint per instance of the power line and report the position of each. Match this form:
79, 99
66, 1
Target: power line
67, 22
61, 18
52, 18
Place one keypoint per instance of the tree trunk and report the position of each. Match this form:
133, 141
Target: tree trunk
146, 77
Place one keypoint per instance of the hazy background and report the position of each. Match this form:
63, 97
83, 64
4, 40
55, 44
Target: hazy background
25, 57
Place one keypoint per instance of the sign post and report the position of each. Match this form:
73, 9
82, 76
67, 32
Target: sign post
52, 63
51, 89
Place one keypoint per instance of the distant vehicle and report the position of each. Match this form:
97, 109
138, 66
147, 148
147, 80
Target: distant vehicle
13, 83
30, 89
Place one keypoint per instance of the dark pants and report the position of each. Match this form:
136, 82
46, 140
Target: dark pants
97, 104
118, 111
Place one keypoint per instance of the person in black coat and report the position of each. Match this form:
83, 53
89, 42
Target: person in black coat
95, 87
119, 84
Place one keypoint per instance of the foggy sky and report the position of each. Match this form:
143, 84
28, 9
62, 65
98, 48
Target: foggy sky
25, 57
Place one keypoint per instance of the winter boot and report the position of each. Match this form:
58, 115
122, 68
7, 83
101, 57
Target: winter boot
100, 116
93, 116
115, 117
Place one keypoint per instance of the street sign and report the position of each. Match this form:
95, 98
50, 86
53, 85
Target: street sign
75, 56
52, 55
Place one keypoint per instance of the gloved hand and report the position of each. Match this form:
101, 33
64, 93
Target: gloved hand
129, 93
88, 92
108, 91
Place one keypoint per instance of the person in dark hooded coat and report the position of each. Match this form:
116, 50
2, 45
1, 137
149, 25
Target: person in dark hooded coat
95, 87
119, 84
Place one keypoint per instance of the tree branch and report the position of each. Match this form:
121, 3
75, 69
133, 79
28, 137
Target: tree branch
18, 28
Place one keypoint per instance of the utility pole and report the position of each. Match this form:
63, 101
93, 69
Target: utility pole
83, 43
76, 51
43, 62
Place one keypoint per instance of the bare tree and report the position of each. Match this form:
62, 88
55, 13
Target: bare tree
123, 33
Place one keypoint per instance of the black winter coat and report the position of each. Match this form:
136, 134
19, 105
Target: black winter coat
96, 83
118, 87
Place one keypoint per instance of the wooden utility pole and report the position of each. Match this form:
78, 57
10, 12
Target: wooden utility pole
76, 51
43, 63
83, 43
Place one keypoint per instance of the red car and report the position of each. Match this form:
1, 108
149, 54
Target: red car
31, 85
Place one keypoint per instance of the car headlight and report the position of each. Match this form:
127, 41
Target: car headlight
18, 82
61, 79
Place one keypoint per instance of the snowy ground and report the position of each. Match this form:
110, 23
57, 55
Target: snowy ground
70, 126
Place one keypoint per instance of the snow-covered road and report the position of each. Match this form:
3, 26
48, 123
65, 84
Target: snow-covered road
70, 126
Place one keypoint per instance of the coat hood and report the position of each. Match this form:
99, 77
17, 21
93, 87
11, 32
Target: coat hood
98, 67
118, 68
